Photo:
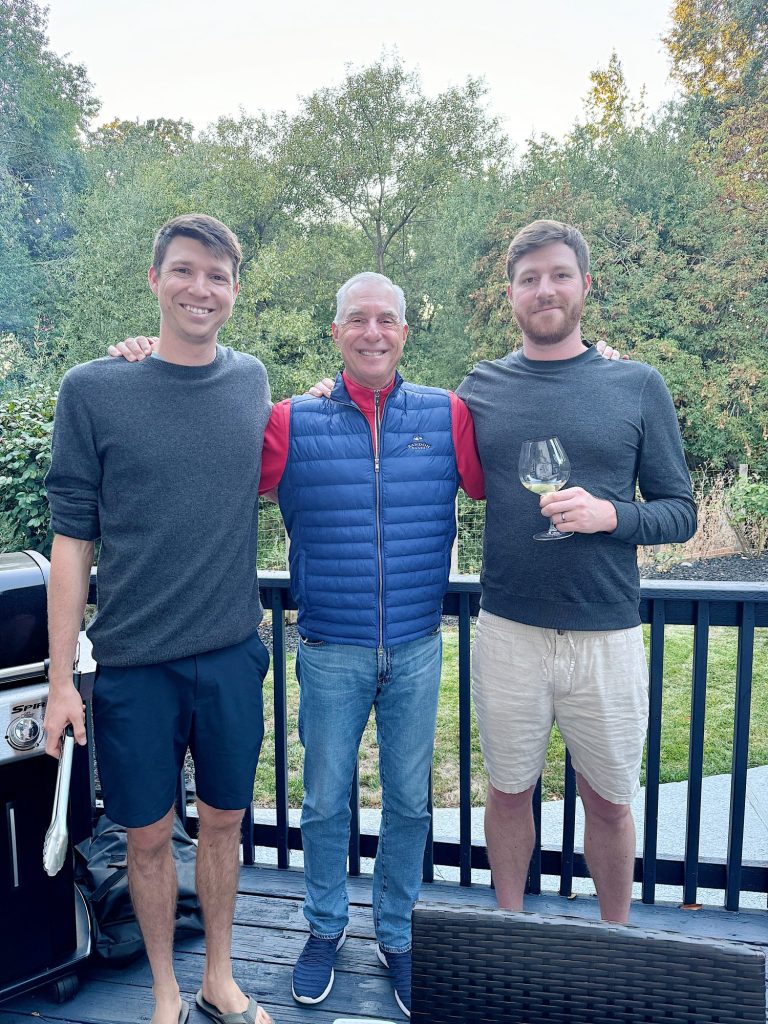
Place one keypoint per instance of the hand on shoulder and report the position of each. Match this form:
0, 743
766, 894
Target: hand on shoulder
133, 350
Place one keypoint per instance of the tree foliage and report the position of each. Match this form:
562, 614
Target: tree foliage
719, 48
26, 427
373, 174
376, 150
45, 103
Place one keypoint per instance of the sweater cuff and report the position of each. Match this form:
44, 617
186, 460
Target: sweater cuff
627, 520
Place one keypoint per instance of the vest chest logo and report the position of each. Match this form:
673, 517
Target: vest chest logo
418, 443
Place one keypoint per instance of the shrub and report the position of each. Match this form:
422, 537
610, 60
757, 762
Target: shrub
748, 512
26, 427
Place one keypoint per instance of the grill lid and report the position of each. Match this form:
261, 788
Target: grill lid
23, 612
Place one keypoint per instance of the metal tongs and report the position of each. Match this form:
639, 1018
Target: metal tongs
56, 838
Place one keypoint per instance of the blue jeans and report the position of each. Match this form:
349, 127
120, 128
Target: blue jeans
339, 686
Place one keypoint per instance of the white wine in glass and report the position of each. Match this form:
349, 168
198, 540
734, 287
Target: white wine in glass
544, 468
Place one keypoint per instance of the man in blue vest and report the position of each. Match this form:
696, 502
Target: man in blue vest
366, 481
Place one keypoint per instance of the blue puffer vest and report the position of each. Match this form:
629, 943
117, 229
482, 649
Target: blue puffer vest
370, 547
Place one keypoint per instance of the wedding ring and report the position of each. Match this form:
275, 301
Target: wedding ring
562, 516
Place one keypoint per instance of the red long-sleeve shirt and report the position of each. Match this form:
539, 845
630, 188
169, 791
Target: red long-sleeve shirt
277, 438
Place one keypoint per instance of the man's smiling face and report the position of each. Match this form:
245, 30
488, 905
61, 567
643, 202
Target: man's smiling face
371, 334
196, 290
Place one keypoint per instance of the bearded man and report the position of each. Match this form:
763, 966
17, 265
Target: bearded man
558, 638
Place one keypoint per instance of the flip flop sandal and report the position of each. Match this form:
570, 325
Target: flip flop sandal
248, 1016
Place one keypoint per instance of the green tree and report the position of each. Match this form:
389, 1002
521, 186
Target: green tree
26, 427
375, 150
101, 293
241, 178
677, 278
609, 106
45, 102
441, 276
719, 48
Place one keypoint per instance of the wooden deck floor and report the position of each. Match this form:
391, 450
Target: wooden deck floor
270, 931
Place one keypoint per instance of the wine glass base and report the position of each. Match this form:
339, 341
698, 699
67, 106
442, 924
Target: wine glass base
552, 536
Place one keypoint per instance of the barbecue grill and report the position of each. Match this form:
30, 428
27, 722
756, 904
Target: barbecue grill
44, 922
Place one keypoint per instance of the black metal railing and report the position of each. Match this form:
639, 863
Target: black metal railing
700, 605
743, 607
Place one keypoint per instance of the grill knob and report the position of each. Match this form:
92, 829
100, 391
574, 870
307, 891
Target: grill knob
24, 733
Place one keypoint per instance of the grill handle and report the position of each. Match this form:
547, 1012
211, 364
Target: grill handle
21, 673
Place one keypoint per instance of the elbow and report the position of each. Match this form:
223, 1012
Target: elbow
688, 524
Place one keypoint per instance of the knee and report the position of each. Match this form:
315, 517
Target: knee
406, 793
597, 808
217, 822
614, 815
510, 803
324, 804
150, 841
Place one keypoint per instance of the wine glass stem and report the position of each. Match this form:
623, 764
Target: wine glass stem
553, 530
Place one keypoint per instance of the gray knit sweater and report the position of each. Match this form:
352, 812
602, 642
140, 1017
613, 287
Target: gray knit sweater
162, 462
618, 425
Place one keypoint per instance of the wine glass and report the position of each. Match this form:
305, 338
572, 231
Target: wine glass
544, 467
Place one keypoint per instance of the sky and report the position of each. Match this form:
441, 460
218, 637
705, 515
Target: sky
200, 60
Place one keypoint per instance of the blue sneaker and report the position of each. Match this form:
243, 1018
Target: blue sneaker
313, 973
399, 965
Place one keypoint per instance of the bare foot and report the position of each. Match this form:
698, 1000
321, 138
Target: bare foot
226, 996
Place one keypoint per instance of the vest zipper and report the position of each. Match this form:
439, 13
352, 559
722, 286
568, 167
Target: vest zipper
376, 466
377, 484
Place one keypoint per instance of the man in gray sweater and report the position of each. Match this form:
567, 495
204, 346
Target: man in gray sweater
161, 462
558, 637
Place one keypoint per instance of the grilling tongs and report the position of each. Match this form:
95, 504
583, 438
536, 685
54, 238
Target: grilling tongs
56, 839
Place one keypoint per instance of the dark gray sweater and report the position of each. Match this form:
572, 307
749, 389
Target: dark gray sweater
162, 462
618, 425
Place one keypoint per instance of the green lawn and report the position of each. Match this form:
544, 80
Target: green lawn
675, 723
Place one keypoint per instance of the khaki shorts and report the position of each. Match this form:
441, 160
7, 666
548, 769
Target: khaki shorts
593, 684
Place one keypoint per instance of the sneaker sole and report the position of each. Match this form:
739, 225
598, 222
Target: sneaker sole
313, 1000
383, 959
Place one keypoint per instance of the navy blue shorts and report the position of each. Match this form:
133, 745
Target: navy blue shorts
146, 716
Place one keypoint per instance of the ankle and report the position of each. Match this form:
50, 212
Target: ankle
166, 993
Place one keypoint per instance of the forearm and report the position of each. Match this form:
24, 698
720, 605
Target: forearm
71, 561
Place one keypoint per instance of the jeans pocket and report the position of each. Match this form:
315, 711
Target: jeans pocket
311, 644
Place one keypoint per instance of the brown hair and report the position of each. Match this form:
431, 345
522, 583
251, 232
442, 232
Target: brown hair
544, 232
207, 230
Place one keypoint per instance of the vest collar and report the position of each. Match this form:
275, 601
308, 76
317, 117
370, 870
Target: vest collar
350, 392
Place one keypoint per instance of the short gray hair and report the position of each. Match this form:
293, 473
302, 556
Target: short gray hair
368, 277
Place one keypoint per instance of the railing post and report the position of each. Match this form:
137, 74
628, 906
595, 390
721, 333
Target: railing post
696, 753
740, 755
428, 861
181, 798
246, 835
465, 745
653, 752
569, 828
354, 823
281, 727
534, 869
